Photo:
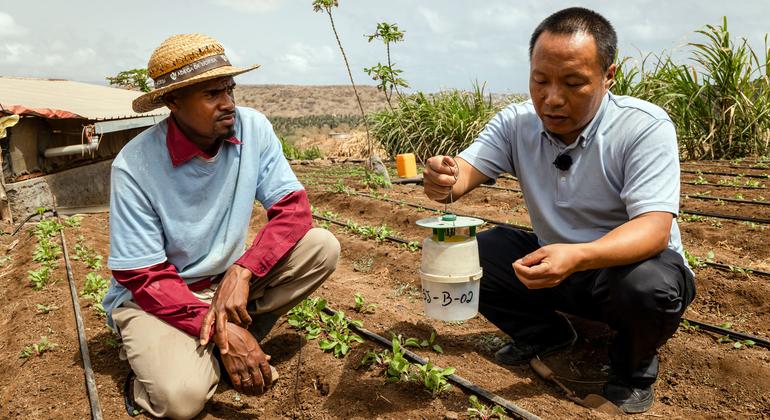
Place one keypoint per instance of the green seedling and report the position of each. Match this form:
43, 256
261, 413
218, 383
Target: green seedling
433, 378
412, 246
37, 349
40, 278
47, 228
94, 289
89, 256
479, 411
406, 289
338, 336
687, 327
424, 344
391, 362
73, 222
736, 344
361, 306
46, 251
700, 180
693, 260
45, 309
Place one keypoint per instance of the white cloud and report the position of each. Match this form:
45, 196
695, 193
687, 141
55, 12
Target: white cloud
9, 27
467, 44
14, 53
250, 6
503, 16
302, 58
436, 23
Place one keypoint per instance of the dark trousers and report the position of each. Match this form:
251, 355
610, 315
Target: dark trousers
641, 302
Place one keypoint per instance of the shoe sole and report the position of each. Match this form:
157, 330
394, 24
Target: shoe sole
548, 351
639, 407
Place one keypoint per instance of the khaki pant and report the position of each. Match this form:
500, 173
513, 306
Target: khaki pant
174, 375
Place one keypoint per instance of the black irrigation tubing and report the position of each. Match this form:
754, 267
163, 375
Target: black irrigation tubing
336, 222
760, 176
93, 395
705, 326
733, 334
26, 219
456, 379
739, 187
723, 267
726, 199
721, 165
727, 216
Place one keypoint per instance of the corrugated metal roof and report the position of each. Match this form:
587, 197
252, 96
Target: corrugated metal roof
68, 99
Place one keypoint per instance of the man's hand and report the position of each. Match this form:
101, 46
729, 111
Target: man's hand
228, 304
548, 266
246, 363
439, 176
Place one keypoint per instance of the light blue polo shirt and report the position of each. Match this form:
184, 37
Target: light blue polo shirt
625, 163
196, 215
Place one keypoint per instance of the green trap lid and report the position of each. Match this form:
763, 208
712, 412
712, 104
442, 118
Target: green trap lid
449, 221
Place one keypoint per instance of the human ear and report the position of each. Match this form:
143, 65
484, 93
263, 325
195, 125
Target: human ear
609, 77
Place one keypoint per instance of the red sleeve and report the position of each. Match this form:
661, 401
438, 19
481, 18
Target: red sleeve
159, 291
288, 221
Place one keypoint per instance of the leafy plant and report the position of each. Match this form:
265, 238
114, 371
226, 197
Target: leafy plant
361, 306
94, 289
37, 349
479, 411
424, 344
89, 256
363, 264
46, 251
687, 327
73, 222
736, 344
433, 378
39, 278
332, 331
47, 228
392, 362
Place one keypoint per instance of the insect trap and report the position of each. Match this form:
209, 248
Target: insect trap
450, 271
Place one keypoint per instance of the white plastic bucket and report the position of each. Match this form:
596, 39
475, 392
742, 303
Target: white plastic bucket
450, 274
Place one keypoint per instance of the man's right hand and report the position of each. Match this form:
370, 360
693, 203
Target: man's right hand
245, 362
439, 176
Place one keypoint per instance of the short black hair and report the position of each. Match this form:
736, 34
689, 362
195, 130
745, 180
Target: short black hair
578, 19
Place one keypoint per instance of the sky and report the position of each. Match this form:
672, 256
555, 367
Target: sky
448, 43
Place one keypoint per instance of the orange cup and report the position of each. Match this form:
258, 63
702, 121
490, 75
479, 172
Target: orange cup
406, 166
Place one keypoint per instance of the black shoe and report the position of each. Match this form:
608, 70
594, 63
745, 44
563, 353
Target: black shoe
128, 396
519, 352
629, 398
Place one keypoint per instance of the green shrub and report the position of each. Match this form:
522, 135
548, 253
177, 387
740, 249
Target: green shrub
427, 125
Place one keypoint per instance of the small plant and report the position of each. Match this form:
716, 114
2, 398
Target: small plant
332, 331
693, 260
94, 289
412, 246
37, 349
46, 251
73, 222
392, 362
40, 278
406, 289
422, 344
89, 256
479, 411
736, 344
433, 378
361, 306
47, 228
45, 309
687, 327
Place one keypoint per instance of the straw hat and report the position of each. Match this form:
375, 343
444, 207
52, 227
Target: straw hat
184, 60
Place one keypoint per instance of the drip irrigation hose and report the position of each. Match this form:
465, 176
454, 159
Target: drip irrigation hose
26, 219
718, 165
733, 334
740, 187
726, 216
760, 176
713, 328
93, 395
457, 380
726, 199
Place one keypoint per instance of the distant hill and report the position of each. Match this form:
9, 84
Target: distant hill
296, 101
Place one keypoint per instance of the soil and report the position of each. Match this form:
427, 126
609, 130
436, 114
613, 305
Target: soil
700, 377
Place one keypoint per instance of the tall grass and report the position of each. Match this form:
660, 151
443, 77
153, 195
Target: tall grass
719, 102
432, 124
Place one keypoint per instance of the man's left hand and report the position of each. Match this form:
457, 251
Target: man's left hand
548, 266
228, 304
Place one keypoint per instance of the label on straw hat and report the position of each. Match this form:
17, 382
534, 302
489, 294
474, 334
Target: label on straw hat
191, 70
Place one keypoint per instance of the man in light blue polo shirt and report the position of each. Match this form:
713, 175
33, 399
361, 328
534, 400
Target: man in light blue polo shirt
600, 178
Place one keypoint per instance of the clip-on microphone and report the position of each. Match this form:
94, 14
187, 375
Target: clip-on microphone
563, 162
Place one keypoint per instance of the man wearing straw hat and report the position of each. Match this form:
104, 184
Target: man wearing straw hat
600, 177
182, 198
